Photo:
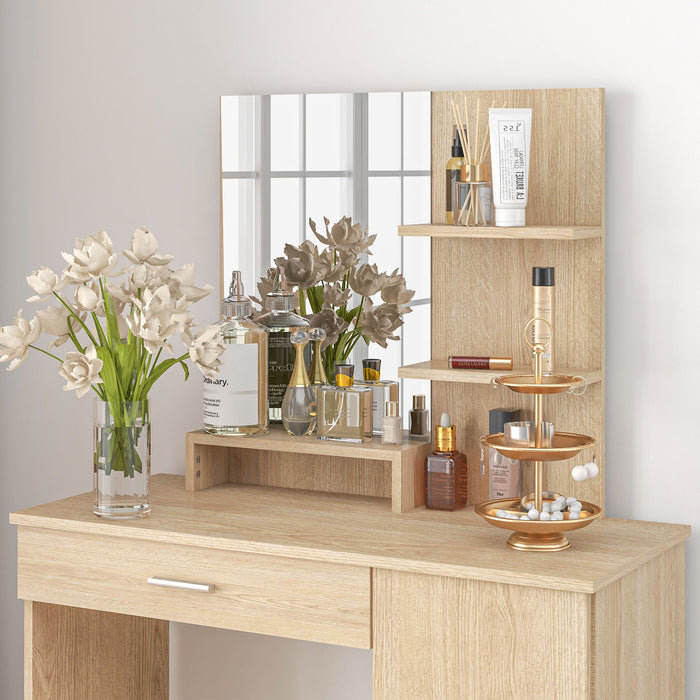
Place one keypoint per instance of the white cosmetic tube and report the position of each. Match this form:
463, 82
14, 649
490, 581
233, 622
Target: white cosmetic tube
510, 163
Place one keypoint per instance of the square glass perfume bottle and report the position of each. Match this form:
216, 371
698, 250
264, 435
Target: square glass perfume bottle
383, 391
344, 410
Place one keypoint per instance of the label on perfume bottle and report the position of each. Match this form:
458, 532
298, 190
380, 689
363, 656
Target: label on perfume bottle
231, 397
281, 357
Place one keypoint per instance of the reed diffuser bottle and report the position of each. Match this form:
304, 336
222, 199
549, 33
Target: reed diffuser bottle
235, 400
299, 404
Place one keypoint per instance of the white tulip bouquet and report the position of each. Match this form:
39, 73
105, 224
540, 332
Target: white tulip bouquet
118, 331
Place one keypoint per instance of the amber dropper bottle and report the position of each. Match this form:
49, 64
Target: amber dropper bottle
445, 470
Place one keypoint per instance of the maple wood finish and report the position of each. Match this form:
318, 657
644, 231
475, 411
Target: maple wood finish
481, 279
276, 459
447, 608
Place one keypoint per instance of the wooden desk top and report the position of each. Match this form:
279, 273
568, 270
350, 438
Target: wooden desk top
363, 531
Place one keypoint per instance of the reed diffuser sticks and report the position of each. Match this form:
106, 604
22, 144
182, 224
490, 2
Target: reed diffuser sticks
476, 147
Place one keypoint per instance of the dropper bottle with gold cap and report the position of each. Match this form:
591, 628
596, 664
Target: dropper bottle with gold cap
445, 470
299, 404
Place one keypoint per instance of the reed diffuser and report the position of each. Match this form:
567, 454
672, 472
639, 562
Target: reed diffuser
473, 198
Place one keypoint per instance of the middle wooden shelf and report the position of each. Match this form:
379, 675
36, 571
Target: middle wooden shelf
438, 371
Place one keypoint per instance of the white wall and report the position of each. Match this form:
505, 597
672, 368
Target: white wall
110, 119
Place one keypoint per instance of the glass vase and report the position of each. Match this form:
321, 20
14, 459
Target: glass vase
122, 459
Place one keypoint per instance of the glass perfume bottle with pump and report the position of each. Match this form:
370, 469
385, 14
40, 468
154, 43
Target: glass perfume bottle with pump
383, 391
299, 404
235, 400
344, 410
445, 470
280, 321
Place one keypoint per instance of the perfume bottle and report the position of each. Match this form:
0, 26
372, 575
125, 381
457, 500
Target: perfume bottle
317, 374
280, 321
299, 404
419, 419
344, 410
392, 430
445, 470
383, 390
235, 400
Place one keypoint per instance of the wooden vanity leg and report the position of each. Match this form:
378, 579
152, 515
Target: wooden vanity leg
89, 654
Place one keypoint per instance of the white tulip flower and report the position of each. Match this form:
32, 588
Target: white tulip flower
45, 282
87, 297
157, 317
81, 371
91, 258
206, 349
16, 339
144, 247
54, 321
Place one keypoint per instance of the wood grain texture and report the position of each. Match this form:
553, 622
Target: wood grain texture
568, 233
450, 639
74, 653
438, 370
639, 632
277, 459
361, 531
296, 598
489, 279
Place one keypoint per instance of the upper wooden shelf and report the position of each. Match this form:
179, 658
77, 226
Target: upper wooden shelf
437, 370
557, 233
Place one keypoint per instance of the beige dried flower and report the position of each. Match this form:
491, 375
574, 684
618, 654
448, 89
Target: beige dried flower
16, 339
330, 322
366, 280
395, 292
81, 371
335, 295
301, 265
344, 235
378, 323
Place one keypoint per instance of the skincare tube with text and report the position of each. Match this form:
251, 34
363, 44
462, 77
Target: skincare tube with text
510, 161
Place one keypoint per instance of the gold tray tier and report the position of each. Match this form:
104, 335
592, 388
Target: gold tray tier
551, 383
564, 446
535, 535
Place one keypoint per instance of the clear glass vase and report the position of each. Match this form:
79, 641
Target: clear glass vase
122, 459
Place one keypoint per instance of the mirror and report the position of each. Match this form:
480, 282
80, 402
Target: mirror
288, 158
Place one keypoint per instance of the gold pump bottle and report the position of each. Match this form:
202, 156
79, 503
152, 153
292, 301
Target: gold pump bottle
543, 307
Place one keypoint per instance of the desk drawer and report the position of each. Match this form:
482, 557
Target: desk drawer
285, 597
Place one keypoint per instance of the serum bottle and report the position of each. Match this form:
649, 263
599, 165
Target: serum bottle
392, 428
235, 401
543, 307
445, 470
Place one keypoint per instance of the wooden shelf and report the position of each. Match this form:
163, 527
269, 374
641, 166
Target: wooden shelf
438, 371
277, 459
556, 233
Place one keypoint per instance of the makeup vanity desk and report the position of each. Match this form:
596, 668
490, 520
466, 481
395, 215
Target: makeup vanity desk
448, 609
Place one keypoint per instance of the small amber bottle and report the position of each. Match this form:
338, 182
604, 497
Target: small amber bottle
445, 470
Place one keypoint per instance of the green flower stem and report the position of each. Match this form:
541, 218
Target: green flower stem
302, 302
46, 352
100, 332
76, 317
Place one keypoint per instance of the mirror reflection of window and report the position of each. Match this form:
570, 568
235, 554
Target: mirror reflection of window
286, 158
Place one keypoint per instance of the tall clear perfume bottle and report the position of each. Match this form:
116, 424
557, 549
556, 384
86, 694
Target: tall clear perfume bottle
235, 400
280, 321
299, 404
344, 410
383, 391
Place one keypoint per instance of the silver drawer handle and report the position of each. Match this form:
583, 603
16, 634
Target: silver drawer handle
174, 583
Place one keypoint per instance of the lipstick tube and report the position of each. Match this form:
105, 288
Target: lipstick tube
469, 362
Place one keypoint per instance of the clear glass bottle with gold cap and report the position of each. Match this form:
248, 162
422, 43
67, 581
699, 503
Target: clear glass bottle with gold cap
235, 400
344, 410
392, 428
280, 321
299, 404
445, 470
383, 390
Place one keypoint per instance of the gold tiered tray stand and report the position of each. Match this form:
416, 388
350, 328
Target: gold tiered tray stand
538, 535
